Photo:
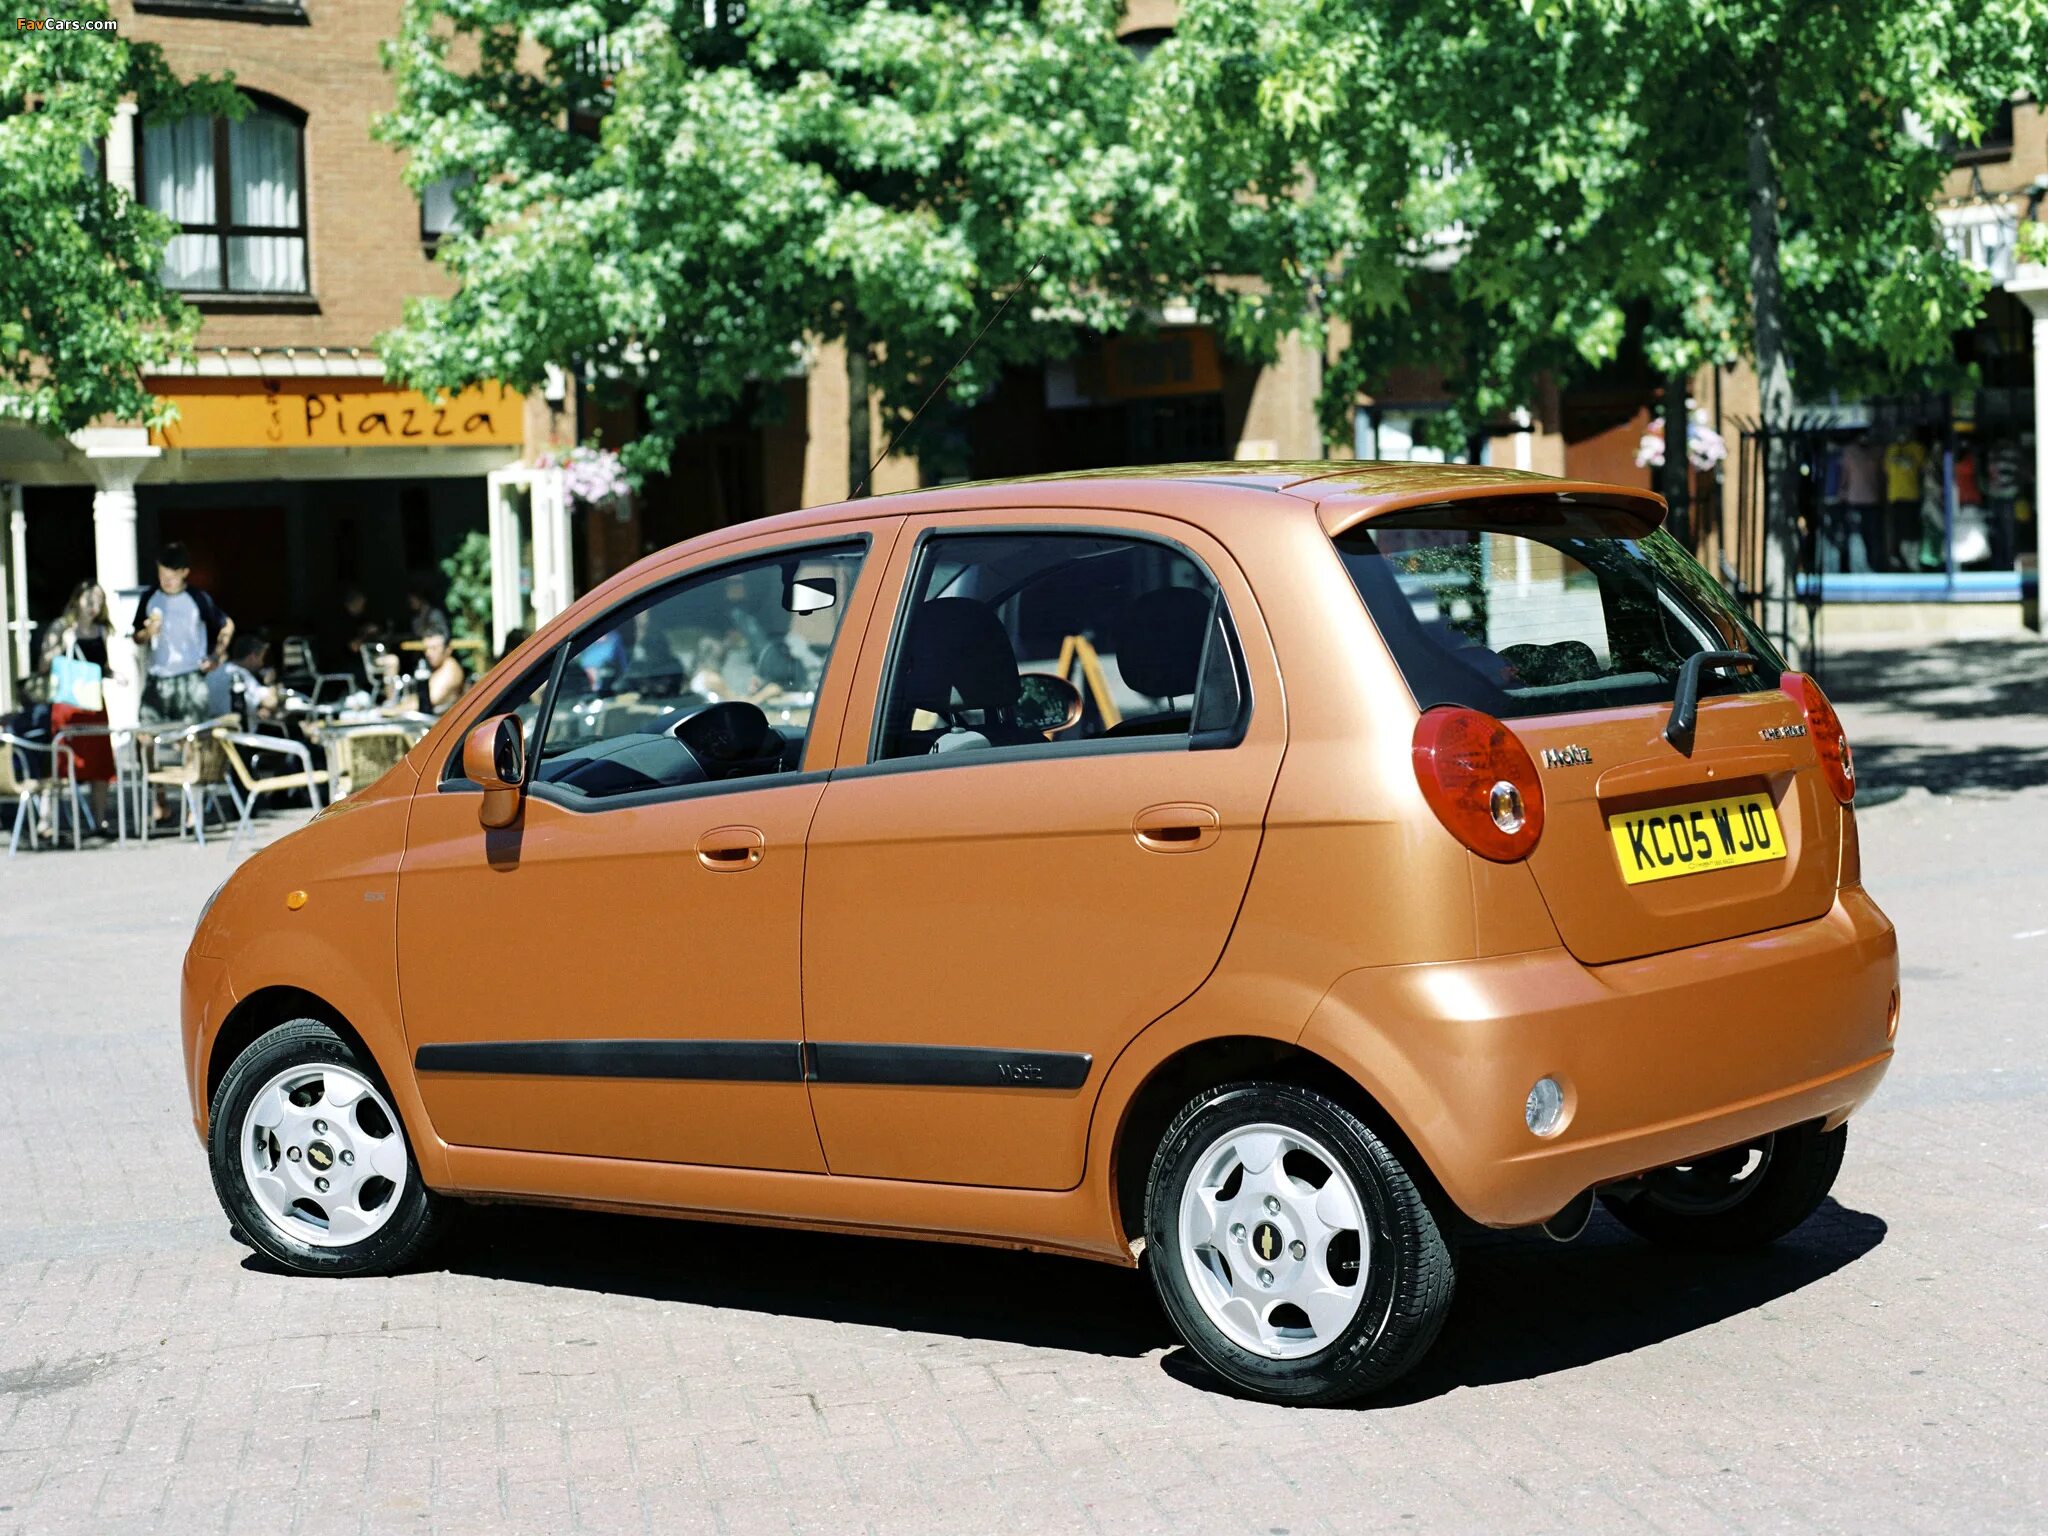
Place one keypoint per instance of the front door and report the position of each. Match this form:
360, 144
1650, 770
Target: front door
994, 909
617, 975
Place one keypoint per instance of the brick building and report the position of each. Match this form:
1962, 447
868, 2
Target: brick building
294, 470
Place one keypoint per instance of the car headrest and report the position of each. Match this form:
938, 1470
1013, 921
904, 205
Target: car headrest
958, 655
1159, 642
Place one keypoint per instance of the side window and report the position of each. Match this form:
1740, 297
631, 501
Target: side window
1047, 639
711, 677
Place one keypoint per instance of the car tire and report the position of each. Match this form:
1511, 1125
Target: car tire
1284, 1288
1712, 1207
311, 1161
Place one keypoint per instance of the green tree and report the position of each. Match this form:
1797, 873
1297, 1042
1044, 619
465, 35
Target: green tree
1728, 177
83, 315
674, 200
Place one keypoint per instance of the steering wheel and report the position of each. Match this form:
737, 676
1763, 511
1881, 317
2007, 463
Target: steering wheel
727, 736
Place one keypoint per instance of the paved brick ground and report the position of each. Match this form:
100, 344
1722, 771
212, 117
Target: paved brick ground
1882, 1370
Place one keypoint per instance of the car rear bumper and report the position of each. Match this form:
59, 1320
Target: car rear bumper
1661, 1058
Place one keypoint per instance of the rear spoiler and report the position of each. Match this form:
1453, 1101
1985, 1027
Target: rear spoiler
1343, 502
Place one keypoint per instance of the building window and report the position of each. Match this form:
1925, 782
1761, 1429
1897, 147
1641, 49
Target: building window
1141, 41
288, 11
237, 191
1994, 146
438, 213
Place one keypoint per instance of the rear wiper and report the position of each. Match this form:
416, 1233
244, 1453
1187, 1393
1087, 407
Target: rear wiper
1685, 707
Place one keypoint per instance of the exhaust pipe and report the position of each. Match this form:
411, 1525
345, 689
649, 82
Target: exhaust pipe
1572, 1220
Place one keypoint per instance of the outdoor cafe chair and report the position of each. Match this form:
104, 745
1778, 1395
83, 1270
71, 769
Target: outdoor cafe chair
190, 760
124, 743
361, 754
240, 745
297, 665
34, 794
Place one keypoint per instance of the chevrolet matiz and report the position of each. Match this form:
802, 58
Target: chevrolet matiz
1257, 872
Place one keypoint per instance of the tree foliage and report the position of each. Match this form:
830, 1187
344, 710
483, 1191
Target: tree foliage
675, 200
1542, 177
83, 314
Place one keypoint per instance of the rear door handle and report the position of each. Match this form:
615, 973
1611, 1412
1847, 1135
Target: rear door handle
1181, 827
729, 850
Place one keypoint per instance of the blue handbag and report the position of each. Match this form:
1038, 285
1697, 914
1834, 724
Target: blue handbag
76, 681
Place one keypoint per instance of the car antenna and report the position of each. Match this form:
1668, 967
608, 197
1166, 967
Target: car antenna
904, 430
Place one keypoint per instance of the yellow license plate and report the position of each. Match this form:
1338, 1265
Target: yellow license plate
1690, 839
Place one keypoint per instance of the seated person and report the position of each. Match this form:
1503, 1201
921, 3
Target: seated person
244, 687
439, 680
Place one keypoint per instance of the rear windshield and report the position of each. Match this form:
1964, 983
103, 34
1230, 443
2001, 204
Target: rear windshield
1537, 610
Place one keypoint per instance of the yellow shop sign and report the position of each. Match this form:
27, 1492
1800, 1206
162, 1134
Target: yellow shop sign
335, 413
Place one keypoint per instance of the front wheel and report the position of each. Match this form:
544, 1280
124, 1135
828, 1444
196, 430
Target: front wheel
1736, 1199
310, 1160
1291, 1249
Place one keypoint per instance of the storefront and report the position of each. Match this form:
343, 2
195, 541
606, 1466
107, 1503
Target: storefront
289, 486
1927, 498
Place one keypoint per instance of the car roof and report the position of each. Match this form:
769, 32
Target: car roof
1343, 492
1222, 498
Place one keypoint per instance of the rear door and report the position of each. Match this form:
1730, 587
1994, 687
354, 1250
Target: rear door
1572, 625
992, 913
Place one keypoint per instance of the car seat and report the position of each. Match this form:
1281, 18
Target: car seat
1159, 642
958, 664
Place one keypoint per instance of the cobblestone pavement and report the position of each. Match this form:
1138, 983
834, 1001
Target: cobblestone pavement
1883, 1369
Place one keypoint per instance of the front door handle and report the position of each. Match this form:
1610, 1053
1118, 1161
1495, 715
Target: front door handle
729, 850
1181, 827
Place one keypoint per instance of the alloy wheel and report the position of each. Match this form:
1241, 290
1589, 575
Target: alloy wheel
323, 1155
1272, 1240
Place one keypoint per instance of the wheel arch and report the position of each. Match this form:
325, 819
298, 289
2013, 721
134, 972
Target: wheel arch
262, 1011
1214, 1061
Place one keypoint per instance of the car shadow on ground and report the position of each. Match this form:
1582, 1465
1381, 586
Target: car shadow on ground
1526, 1306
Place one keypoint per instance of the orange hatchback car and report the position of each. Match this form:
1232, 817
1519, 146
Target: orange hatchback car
1259, 872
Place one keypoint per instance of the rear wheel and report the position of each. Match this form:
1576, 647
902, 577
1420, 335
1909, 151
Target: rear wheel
1740, 1198
1289, 1246
310, 1159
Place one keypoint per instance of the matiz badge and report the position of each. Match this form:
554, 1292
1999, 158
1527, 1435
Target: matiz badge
1566, 757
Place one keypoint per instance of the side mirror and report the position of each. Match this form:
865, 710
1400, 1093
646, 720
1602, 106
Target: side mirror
494, 755
1046, 702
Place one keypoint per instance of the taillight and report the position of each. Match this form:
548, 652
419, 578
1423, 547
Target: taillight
1824, 729
1481, 782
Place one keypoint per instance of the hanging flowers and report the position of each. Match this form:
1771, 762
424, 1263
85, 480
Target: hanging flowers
1705, 449
591, 475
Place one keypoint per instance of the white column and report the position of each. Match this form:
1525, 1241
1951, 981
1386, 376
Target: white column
554, 569
113, 537
501, 487
117, 457
121, 148
14, 620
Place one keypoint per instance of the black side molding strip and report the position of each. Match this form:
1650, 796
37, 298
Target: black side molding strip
710, 1061
762, 1061
944, 1066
